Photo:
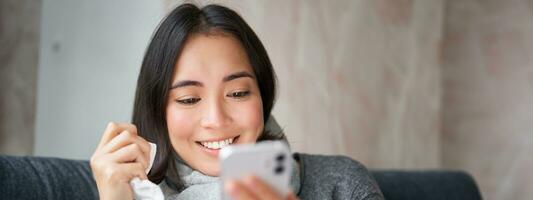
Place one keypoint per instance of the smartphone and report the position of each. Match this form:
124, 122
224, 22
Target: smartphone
269, 160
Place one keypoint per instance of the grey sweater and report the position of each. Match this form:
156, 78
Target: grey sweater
322, 177
335, 177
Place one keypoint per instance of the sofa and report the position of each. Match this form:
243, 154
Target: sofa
29, 177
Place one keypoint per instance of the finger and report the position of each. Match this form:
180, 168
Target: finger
291, 196
113, 129
130, 153
238, 191
132, 170
260, 188
125, 138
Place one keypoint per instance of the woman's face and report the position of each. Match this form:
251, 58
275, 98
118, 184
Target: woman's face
214, 101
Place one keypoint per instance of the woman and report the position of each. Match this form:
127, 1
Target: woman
206, 82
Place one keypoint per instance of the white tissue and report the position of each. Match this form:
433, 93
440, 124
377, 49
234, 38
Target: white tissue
153, 150
144, 189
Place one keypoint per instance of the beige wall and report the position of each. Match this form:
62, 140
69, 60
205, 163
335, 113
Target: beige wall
359, 78
19, 42
488, 94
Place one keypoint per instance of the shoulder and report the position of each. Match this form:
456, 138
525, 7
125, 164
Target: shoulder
336, 176
331, 162
338, 167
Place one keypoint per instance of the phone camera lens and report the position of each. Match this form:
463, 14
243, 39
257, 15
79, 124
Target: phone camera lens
279, 169
280, 158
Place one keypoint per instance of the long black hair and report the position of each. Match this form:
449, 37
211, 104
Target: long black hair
157, 69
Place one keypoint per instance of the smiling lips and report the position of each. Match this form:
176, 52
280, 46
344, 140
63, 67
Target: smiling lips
215, 145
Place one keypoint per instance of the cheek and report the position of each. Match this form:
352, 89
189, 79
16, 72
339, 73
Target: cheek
250, 117
179, 125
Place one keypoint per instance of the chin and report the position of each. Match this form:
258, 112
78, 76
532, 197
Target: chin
212, 172
210, 168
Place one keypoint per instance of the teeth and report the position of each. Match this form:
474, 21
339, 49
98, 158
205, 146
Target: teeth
217, 144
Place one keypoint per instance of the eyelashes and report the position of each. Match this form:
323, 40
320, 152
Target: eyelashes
188, 101
236, 95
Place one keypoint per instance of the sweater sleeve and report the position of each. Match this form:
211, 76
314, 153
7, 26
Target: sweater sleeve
359, 180
336, 177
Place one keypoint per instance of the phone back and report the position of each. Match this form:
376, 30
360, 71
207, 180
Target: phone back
269, 160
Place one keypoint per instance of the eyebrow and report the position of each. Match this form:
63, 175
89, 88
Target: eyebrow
185, 83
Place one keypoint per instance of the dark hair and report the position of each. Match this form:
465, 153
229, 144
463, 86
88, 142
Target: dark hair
158, 66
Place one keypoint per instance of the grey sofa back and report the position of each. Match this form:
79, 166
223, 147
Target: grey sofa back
54, 178
45, 178
434, 185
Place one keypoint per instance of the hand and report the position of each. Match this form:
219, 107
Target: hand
252, 187
120, 156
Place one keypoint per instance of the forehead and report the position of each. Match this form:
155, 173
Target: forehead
211, 56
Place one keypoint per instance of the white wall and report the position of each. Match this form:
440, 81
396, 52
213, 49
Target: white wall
90, 55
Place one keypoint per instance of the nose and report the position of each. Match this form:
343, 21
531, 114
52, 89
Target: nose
216, 115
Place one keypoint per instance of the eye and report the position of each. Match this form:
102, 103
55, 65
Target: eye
238, 94
189, 101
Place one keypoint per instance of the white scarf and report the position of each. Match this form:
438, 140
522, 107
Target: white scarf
200, 186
